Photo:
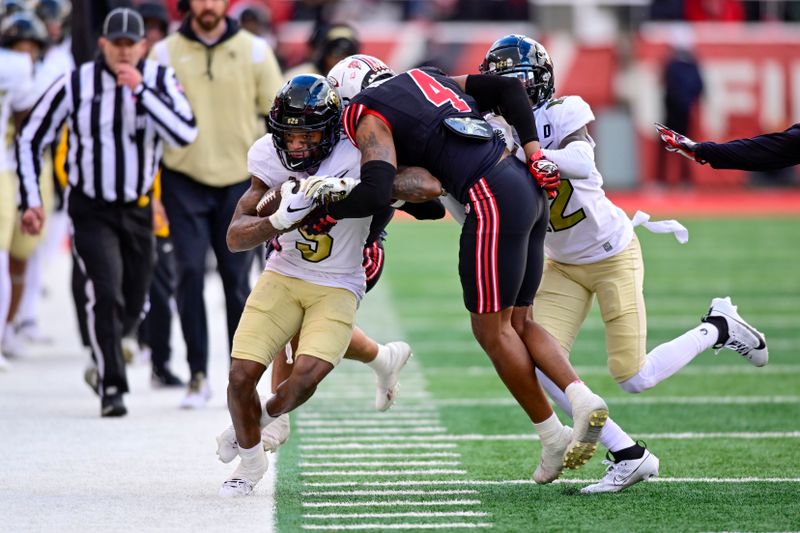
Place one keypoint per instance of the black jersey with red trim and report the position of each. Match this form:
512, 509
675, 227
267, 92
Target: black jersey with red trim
414, 105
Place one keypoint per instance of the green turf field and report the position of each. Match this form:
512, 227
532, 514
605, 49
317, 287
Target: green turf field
456, 453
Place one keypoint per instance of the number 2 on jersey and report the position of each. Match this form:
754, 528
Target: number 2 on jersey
435, 92
559, 219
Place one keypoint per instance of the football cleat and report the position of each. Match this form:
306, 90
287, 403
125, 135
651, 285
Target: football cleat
227, 447
3, 362
112, 406
589, 415
386, 382
735, 333
276, 433
236, 488
621, 475
198, 394
551, 463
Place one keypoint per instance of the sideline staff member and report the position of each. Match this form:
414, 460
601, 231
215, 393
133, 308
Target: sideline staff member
118, 109
230, 78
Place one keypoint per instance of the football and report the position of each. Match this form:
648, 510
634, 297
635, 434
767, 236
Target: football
269, 202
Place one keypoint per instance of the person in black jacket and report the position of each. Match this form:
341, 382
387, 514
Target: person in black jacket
770, 151
87, 22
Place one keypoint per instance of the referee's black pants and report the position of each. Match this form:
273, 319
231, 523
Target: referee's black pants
199, 216
113, 248
156, 329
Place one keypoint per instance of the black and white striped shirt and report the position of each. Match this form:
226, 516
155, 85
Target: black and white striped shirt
114, 136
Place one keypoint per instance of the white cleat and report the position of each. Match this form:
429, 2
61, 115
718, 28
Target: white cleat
236, 488
227, 446
272, 437
741, 337
3, 363
551, 463
589, 415
623, 474
244, 479
276, 433
198, 394
386, 387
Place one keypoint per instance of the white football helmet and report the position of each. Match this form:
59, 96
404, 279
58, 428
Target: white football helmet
354, 73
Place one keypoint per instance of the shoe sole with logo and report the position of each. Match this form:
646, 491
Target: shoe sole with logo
584, 444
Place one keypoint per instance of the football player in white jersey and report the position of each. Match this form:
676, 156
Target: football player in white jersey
16, 97
313, 281
593, 251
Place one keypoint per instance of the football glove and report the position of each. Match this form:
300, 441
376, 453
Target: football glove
293, 208
675, 142
319, 222
545, 172
324, 190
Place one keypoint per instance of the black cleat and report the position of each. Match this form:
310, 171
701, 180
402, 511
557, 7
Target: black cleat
164, 378
113, 406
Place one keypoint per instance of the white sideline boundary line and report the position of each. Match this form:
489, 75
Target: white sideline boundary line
381, 527
405, 492
515, 437
491, 482
410, 514
391, 503
602, 370
347, 473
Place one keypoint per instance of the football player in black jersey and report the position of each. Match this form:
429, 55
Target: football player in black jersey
423, 118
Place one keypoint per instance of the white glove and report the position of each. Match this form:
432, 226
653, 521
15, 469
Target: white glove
324, 190
294, 206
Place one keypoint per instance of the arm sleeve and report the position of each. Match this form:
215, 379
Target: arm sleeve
170, 110
764, 152
37, 131
575, 159
509, 97
374, 192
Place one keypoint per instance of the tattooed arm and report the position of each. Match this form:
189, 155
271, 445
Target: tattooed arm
416, 185
247, 230
378, 170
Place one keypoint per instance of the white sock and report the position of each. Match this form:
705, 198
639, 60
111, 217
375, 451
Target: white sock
266, 419
28, 310
613, 437
549, 430
254, 463
668, 358
381, 362
576, 389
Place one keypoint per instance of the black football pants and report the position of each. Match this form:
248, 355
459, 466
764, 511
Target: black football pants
113, 251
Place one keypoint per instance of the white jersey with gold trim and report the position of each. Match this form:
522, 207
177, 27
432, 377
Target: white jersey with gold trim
585, 226
16, 93
333, 259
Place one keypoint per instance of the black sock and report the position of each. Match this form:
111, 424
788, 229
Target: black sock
633, 452
719, 323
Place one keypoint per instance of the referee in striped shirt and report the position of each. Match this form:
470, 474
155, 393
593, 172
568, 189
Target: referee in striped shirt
118, 109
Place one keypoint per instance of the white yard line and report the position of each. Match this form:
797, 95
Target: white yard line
392, 503
311, 464
515, 437
359, 423
407, 492
602, 370
372, 446
635, 400
409, 514
356, 473
372, 430
379, 455
381, 527
490, 482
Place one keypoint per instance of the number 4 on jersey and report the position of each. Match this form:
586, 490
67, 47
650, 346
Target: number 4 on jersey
435, 92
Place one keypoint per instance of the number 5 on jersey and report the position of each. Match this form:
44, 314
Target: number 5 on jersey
435, 92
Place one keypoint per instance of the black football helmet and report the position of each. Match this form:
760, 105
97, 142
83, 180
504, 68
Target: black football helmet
522, 57
307, 102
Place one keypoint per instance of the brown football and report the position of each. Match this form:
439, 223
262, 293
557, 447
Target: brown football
269, 202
